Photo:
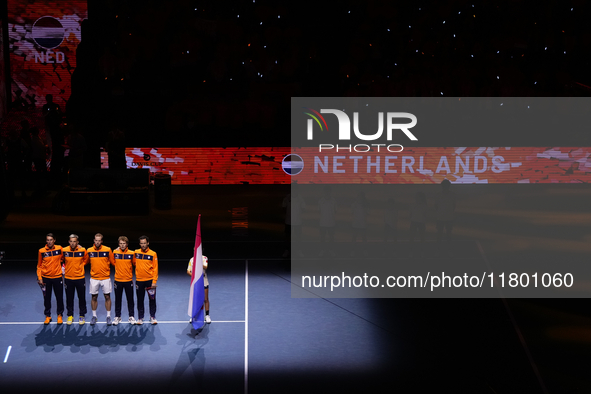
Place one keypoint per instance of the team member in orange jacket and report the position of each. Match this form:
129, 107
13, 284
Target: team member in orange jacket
74, 259
101, 258
49, 276
124, 262
146, 276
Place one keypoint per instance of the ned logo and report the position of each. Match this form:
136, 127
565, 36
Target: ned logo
48, 33
344, 132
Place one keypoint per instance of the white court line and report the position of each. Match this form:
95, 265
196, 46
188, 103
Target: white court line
310, 259
7, 354
401, 240
342, 258
328, 257
213, 321
246, 328
122, 323
171, 242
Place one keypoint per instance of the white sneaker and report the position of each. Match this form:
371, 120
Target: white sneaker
117, 320
207, 319
131, 320
140, 322
153, 320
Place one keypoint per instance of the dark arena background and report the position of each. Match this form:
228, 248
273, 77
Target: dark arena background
173, 109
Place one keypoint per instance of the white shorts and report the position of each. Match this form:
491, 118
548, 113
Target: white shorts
205, 281
105, 284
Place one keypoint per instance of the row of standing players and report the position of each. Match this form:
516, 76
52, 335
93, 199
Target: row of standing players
57, 265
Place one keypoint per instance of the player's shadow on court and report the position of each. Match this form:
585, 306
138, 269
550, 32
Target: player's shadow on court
6, 309
54, 338
192, 355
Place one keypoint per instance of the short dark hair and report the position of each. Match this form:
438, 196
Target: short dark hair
50, 235
445, 183
145, 237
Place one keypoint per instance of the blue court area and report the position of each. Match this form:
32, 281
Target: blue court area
304, 340
93, 356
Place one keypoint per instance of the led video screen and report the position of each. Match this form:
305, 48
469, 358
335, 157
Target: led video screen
462, 165
43, 37
465, 165
215, 166
3, 103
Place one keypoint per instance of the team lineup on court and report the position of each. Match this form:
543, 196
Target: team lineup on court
64, 268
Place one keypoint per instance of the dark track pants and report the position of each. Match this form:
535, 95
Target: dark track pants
141, 293
78, 286
128, 287
56, 285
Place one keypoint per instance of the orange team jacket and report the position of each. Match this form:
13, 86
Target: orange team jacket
124, 262
99, 262
49, 262
74, 260
146, 266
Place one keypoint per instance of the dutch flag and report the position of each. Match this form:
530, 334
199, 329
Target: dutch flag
197, 294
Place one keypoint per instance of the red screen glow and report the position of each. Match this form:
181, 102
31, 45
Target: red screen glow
201, 166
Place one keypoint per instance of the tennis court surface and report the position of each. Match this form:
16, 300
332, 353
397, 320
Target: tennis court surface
261, 338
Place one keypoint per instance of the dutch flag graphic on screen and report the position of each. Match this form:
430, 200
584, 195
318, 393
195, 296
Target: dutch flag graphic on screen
197, 293
48, 32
